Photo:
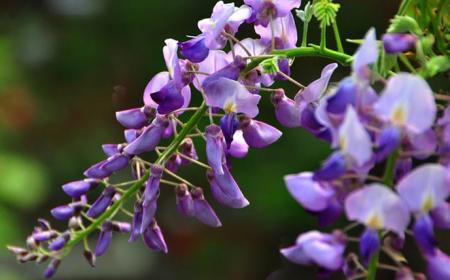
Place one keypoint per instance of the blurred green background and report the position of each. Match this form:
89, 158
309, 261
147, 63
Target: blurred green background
67, 65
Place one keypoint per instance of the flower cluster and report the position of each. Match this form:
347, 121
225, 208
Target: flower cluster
367, 128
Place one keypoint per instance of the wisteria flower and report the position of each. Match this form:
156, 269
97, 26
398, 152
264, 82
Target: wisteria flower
284, 32
266, 10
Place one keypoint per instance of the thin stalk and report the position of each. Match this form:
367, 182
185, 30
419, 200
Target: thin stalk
337, 37
287, 77
305, 34
323, 37
406, 62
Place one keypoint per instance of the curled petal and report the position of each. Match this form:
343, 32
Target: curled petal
159, 81
318, 87
169, 98
194, 49
132, 118
309, 193
366, 54
149, 138
332, 168
203, 211
369, 245
154, 238
225, 189
215, 148
238, 148
259, 134
287, 111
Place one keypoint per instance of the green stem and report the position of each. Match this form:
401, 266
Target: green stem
313, 51
323, 37
337, 37
305, 34
403, 7
112, 210
372, 269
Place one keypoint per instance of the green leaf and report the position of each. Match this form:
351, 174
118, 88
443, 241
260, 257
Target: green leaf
270, 65
436, 65
404, 24
306, 14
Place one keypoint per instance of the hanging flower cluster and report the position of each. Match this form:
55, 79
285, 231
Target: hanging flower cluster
400, 127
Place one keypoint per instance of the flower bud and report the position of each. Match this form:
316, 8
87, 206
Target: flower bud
122, 227
63, 212
132, 118
102, 202
154, 238
259, 134
203, 211
59, 242
187, 148
104, 239
51, 268
136, 222
90, 258
184, 200
398, 42
44, 235
78, 188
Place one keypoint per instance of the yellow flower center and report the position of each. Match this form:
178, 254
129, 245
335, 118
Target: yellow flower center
375, 222
427, 203
229, 107
398, 116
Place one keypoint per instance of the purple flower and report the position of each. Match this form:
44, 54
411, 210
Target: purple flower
131, 134
322, 249
51, 268
102, 202
366, 55
194, 49
287, 111
232, 97
215, 148
78, 188
154, 238
96, 171
187, 149
63, 212
407, 101
112, 149
151, 194
225, 17
203, 211
310, 194
122, 227
59, 242
230, 71
173, 64
115, 163
387, 211
169, 98
149, 138
229, 123
238, 148
225, 189
44, 235
104, 239
132, 118
398, 42
136, 223
389, 140
258, 134
438, 266
266, 10
425, 188
285, 32
424, 234
173, 163
353, 139
184, 202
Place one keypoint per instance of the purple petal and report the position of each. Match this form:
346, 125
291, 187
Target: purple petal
438, 266
154, 238
369, 245
425, 188
78, 188
203, 211
388, 211
111, 149
424, 235
354, 140
366, 54
149, 138
229, 123
225, 189
188, 149
398, 42
194, 49
215, 61
407, 101
51, 268
132, 118
63, 212
318, 87
287, 111
258, 134
184, 202
115, 163
159, 81
332, 168
96, 171
131, 134
215, 148
441, 216
238, 148
104, 239
59, 242
285, 32
389, 140
102, 202
169, 98
172, 62
44, 235
309, 193
136, 222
